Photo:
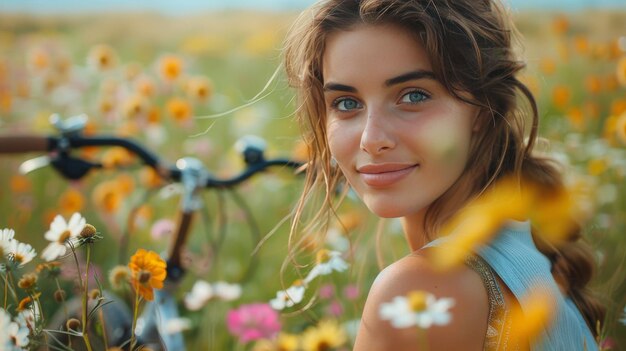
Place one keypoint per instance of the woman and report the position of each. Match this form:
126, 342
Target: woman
415, 104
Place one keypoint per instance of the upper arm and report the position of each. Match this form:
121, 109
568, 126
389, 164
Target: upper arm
466, 330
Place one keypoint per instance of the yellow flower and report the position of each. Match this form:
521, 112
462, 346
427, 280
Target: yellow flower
560, 25
621, 71
102, 57
20, 184
170, 67
107, 196
528, 324
593, 84
561, 96
576, 118
147, 273
547, 66
179, 109
119, 276
199, 88
145, 86
116, 156
71, 201
135, 106
150, 178
597, 166
581, 44
327, 335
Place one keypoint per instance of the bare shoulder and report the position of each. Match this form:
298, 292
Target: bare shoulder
466, 329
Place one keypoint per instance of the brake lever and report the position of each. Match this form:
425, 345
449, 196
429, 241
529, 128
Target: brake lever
72, 167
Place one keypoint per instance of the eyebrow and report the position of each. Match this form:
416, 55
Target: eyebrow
413, 75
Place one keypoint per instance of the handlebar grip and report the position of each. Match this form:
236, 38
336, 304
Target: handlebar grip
24, 143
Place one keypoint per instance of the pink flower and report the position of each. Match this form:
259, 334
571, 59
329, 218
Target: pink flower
351, 292
335, 309
253, 321
326, 291
162, 228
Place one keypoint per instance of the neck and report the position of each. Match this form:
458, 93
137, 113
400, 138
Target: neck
413, 226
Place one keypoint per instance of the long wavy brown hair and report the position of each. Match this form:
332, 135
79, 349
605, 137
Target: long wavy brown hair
470, 47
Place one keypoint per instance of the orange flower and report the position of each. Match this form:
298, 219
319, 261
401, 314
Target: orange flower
199, 88
581, 44
593, 84
145, 86
20, 184
547, 66
561, 96
135, 106
576, 118
71, 201
150, 178
125, 183
527, 324
618, 107
39, 59
621, 71
170, 67
179, 109
116, 156
102, 57
560, 25
107, 196
148, 272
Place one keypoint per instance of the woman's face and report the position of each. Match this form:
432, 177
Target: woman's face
396, 133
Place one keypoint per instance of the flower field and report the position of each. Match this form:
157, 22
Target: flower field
191, 87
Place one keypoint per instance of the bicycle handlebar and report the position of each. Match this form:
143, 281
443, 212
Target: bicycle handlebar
32, 143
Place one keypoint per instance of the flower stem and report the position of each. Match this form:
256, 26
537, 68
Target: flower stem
132, 329
85, 299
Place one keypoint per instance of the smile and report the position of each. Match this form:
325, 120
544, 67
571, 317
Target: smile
384, 175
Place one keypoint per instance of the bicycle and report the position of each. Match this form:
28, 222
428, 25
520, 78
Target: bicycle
190, 172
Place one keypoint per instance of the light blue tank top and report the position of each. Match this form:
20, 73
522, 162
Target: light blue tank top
516, 260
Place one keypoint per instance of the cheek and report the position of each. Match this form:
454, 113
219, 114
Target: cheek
448, 142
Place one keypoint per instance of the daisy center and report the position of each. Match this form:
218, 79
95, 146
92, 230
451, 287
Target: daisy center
417, 301
323, 345
64, 236
323, 256
19, 258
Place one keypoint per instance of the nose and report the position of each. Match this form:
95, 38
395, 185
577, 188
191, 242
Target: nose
376, 137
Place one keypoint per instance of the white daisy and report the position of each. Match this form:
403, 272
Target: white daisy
327, 262
200, 294
7, 234
21, 253
177, 325
60, 234
5, 322
18, 336
287, 298
26, 319
227, 292
417, 308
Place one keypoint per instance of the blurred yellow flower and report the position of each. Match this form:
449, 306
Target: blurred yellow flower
132, 71
618, 106
147, 273
71, 201
199, 88
621, 71
560, 24
327, 335
154, 115
179, 109
150, 178
6, 101
170, 67
135, 106
117, 156
576, 118
350, 220
145, 86
261, 42
102, 57
39, 59
125, 183
597, 166
20, 184
119, 276
107, 197
561, 96
547, 66
581, 44
593, 84
527, 324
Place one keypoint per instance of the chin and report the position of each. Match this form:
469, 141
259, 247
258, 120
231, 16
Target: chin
385, 211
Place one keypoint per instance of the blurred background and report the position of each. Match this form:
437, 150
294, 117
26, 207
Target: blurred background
179, 77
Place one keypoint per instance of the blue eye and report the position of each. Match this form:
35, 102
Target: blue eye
414, 97
346, 104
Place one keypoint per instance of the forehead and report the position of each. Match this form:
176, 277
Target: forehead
375, 50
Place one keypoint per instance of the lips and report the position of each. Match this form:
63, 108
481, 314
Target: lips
384, 174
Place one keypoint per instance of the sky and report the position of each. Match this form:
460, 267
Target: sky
182, 7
